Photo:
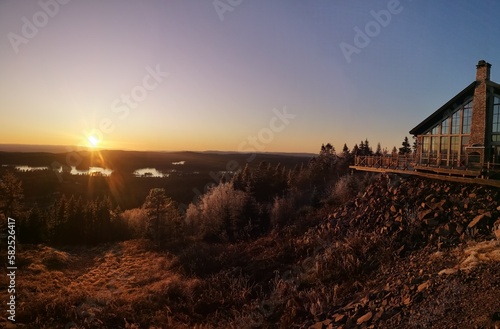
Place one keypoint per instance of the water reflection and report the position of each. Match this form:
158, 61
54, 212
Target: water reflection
149, 172
92, 171
29, 168
97, 171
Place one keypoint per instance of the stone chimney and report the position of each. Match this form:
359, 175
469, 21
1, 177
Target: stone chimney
483, 71
480, 109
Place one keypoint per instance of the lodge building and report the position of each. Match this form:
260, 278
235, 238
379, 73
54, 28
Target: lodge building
465, 132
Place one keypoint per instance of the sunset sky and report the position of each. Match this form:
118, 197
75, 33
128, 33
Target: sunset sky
234, 75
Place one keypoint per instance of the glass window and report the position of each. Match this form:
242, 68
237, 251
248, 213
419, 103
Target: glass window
445, 126
467, 118
425, 145
496, 116
435, 130
434, 145
444, 145
454, 145
455, 123
465, 142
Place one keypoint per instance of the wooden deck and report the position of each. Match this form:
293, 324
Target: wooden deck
406, 166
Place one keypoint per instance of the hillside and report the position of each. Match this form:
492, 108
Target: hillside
401, 253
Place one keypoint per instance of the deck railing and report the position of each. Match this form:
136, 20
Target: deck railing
400, 162
464, 165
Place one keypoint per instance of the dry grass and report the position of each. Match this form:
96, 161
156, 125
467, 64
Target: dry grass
476, 253
104, 285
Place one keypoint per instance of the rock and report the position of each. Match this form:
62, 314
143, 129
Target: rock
317, 325
423, 286
327, 322
424, 214
431, 222
448, 271
365, 318
441, 205
442, 231
497, 234
338, 317
476, 220
379, 315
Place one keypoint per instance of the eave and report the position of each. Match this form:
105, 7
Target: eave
439, 113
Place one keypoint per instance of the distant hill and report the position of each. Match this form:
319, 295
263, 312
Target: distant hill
70, 148
128, 161
270, 153
36, 148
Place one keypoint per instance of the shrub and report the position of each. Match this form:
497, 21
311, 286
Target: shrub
223, 214
283, 211
345, 188
136, 220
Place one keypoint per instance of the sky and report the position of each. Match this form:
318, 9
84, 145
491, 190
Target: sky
234, 75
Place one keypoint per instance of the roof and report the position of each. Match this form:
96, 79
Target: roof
439, 114
457, 100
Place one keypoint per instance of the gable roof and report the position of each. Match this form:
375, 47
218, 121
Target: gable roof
439, 114
452, 104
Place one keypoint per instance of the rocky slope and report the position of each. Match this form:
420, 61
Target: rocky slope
402, 253
444, 271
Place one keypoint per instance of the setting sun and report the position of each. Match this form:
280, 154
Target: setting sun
93, 141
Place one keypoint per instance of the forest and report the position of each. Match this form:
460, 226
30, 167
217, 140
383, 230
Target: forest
230, 205
93, 209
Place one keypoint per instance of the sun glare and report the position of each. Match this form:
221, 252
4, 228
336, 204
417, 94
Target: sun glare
93, 141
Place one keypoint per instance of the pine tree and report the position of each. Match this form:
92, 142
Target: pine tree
405, 149
356, 150
368, 149
378, 152
362, 148
345, 151
163, 217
